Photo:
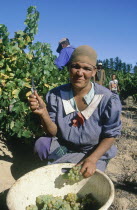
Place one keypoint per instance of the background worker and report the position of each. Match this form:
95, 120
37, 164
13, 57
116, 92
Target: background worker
113, 84
65, 50
100, 76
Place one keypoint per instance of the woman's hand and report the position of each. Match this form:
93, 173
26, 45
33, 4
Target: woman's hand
88, 167
37, 105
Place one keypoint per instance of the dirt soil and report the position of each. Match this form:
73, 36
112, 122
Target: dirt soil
16, 159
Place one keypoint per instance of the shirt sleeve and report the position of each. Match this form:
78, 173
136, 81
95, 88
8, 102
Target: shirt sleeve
111, 118
62, 60
51, 102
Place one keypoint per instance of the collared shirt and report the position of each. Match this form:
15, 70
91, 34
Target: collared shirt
102, 117
88, 97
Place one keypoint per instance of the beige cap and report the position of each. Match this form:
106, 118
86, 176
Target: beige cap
59, 48
84, 54
63, 40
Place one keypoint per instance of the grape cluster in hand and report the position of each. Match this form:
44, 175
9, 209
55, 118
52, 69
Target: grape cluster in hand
74, 174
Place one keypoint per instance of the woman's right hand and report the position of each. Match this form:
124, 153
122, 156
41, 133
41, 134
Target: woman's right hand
88, 167
37, 104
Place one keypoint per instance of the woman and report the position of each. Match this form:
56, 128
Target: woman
81, 119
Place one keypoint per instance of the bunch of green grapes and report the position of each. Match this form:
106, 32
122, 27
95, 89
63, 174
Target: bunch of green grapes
49, 202
42, 199
74, 174
32, 207
72, 199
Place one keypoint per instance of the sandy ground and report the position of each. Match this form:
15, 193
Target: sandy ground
16, 160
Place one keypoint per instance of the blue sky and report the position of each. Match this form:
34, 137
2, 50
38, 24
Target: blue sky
109, 26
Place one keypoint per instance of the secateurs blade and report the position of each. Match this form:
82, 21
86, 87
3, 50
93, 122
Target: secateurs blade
33, 88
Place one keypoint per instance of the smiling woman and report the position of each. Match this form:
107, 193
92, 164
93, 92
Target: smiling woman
81, 72
81, 119
82, 68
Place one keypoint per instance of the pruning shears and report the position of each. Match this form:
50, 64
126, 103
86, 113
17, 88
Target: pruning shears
33, 87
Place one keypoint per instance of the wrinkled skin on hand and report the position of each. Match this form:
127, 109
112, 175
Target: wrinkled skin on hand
88, 167
37, 105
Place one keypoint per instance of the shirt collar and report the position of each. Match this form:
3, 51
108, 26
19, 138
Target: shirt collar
88, 97
92, 100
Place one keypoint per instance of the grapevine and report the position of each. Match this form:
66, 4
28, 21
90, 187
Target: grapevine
17, 67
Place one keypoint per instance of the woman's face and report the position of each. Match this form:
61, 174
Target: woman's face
81, 74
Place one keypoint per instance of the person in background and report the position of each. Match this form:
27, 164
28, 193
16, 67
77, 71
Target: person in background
113, 84
100, 76
65, 50
81, 118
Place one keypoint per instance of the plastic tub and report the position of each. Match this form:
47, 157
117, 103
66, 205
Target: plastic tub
48, 180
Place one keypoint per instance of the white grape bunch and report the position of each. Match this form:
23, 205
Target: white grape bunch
71, 201
74, 174
32, 207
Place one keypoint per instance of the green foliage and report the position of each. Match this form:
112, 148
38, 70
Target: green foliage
117, 65
127, 82
31, 22
135, 68
17, 67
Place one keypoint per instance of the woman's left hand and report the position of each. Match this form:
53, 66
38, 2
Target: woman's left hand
88, 167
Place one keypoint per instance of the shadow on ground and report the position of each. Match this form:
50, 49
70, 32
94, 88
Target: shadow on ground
24, 160
130, 187
3, 200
